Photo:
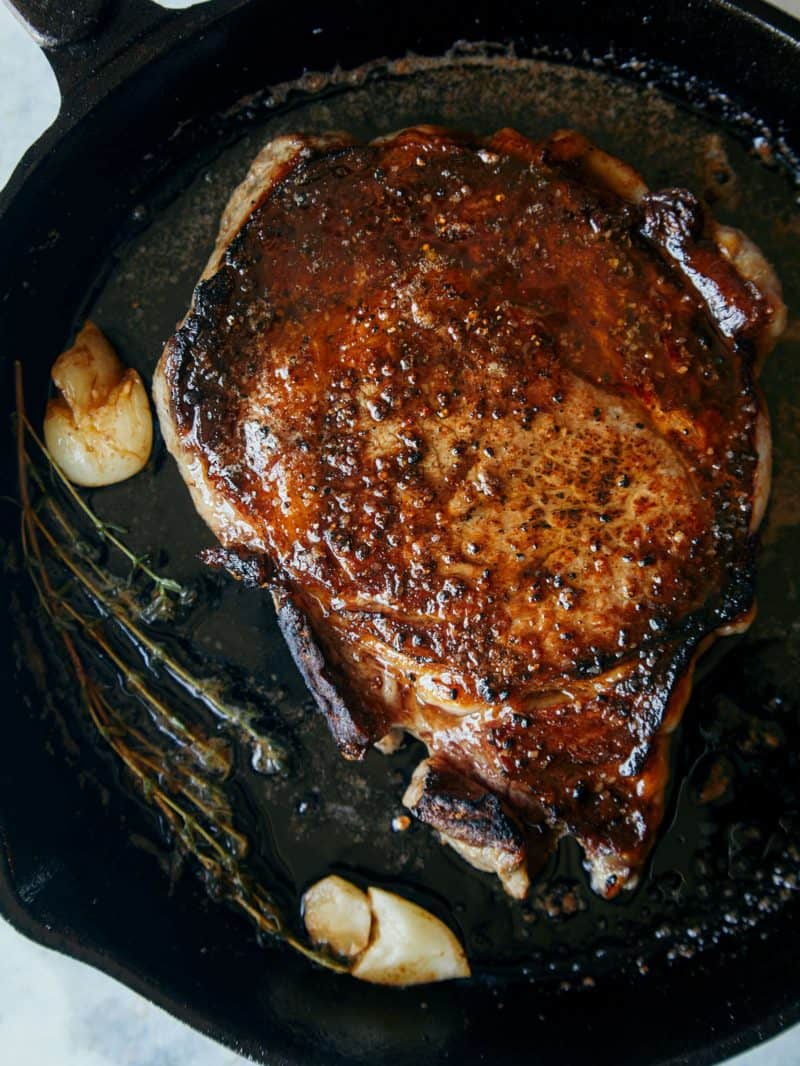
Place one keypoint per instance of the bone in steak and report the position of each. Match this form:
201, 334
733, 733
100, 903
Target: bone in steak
482, 415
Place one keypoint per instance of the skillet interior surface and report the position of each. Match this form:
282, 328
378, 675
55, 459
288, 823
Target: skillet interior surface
719, 900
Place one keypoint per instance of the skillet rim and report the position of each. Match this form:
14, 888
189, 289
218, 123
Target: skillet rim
170, 35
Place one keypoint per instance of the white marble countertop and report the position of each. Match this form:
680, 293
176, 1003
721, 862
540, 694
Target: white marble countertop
55, 1011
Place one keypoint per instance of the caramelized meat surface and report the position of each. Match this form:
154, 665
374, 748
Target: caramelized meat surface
483, 417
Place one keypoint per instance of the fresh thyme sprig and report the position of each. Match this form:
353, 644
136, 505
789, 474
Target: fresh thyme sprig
117, 600
165, 586
181, 774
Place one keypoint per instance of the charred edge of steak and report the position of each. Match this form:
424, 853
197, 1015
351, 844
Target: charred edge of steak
459, 807
675, 224
472, 820
253, 569
664, 660
352, 741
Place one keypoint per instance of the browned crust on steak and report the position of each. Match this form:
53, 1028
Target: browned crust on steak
606, 360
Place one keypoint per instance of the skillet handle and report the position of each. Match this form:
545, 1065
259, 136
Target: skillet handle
82, 37
51, 23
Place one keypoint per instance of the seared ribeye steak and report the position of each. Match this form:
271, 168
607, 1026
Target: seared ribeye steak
482, 415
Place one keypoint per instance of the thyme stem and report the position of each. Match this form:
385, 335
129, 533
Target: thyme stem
211, 755
223, 710
103, 528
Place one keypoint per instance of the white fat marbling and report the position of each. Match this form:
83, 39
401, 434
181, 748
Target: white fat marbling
55, 1011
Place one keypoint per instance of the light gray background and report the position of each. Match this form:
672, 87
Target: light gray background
55, 1011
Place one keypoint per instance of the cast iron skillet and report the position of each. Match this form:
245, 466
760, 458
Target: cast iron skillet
111, 212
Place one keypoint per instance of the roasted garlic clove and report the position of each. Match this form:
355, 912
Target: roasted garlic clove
391, 940
338, 914
99, 428
408, 945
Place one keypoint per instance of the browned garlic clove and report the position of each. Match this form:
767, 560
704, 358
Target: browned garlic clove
337, 914
99, 428
391, 940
